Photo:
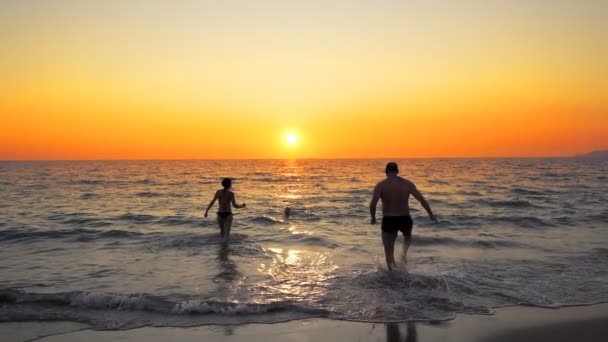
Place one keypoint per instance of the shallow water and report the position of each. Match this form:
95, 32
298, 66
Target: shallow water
124, 244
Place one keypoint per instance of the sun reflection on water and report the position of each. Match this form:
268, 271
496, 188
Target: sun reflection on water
295, 231
297, 274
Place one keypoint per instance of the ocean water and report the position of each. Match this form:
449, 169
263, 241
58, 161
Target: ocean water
120, 244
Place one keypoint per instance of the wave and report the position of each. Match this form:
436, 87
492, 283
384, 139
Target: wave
227, 308
78, 219
402, 279
127, 311
209, 181
181, 221
266, 220
521, 191
440, 193
356, 192
138, 218
431, 289
148, 194
600, 217
183, 182
308, 216
269, 179
506, 203
172, 220
521, 221
419, 240
305, 239
79, 234
105, 182
144, 181
150, 240
240, 244
89, 195
90, 181
95, 307
109, 234
180, 241
151, 194
552, 174
88, 220
36, 186
27, 234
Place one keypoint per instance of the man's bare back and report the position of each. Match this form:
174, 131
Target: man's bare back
395, 194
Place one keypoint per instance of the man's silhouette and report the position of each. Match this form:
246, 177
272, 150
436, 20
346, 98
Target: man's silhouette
395, 192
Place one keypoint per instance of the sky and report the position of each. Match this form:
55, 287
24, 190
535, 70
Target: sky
127, 79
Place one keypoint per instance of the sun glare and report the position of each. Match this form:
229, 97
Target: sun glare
292, 139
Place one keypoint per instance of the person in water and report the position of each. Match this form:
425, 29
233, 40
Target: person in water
224, 214
287, 212
395, 192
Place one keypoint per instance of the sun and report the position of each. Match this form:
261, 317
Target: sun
292, 139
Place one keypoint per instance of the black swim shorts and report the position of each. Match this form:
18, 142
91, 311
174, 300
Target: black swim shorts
224, 214
393, 224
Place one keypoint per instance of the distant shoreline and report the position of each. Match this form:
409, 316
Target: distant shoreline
599, 154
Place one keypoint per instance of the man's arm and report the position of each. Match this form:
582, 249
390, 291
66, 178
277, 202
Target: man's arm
374, 203
211, 204
236, 205
417, 195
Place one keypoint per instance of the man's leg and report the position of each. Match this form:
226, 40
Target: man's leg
392, 332
412, 334
388, 240
407, 236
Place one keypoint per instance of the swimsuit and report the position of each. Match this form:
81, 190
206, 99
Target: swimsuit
224, 214
393, 224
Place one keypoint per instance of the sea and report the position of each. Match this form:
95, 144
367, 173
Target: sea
124, 244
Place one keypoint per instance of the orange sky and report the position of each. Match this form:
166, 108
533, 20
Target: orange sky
354, 79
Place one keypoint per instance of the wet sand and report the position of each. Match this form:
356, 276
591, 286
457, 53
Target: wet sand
584, 323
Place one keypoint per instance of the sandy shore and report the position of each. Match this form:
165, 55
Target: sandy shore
585, 323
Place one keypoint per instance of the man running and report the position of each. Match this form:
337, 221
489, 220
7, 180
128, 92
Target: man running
224, 214
395, 192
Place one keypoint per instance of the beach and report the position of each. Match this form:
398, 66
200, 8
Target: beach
584, 323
